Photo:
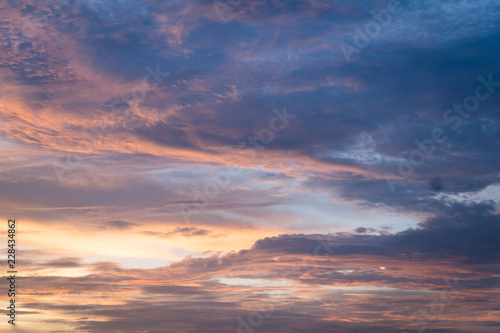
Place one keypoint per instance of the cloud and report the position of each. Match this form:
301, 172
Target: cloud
185, 232
121, 225
115, 115
379, 280
63, 263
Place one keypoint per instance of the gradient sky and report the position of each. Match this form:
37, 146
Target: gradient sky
252, 165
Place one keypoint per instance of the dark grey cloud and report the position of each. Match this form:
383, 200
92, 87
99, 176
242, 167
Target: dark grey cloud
63, 263
185, 232
121, 225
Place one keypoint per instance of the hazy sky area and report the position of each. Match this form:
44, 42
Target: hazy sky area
252, 166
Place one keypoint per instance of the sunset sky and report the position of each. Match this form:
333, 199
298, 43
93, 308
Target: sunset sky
251, 166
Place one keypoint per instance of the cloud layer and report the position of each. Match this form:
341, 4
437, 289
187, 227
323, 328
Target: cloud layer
261, 166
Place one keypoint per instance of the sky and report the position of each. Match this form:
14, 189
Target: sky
251, 166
